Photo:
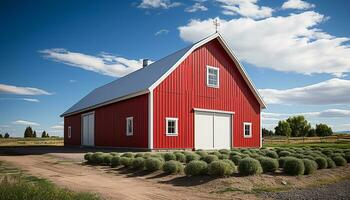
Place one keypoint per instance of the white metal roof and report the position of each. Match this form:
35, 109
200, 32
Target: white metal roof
147, 78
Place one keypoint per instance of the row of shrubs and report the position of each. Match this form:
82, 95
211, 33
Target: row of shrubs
293, 161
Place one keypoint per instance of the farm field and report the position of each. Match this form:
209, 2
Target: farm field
10, 142
69, 170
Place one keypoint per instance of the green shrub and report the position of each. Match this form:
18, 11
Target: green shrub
347, 157
107, 159
88, 156
327, 152
202, 153
210, 158
138, 163
169, 156
223, 156
224, 151
97, 158
233, 153
196, 168
115, 161
282, 161
321, 162
294, 167
153, 164
126, 161
180, 157
114, 154
172, 167
192, 156
284, 153
221, 168
218, 154
249, 166
138, 155
330, 163
236, 159
310, 166
128, 155
339, 161
272, 154
268, 164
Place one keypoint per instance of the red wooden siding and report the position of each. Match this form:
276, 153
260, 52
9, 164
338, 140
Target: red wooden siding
74, 122
110, 124
185, 88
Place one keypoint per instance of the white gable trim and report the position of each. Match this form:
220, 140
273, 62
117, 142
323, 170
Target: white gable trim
231, 54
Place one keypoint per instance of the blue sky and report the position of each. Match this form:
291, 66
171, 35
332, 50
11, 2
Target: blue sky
54, 52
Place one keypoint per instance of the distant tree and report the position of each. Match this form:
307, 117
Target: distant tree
43, 134
299, 125
28, 132
323, 130
311, 133
7, 135
266, 132
0, 135
283, 128
34, 134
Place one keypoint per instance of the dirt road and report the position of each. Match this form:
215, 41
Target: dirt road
83, 178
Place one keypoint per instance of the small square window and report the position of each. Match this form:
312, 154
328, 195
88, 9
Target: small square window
129, 126
247, 129
69, 131
171, 126
212, 76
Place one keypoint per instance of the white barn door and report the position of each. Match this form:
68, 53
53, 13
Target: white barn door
212, 130
88, 129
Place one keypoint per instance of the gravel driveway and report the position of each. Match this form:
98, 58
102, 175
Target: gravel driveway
336, 191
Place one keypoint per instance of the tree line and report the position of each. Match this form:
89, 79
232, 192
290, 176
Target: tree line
29, 132
5, 136
298, 126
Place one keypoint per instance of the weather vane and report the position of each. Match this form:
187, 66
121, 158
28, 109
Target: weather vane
216, 24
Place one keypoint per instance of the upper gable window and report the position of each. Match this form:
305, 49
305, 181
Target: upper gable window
212, 76
129, 126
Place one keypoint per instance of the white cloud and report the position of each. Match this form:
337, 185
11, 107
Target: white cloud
27, 123
105, 64
57, 127
297, 4
11, 89
164, 4
333, 91
72, 81
4, 126
245, 8
162, 32
329, 113
22, 99
284, 43
196, 7
341, 127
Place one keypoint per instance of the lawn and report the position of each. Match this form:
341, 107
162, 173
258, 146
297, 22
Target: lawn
7, 142
14, 184
339, 145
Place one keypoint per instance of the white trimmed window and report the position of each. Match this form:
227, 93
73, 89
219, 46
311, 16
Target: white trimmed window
247, 129
171, 126
129, 126
212, 76
69, 131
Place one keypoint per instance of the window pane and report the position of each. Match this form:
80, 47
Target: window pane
171, 126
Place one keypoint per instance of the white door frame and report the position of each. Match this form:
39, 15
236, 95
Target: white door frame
201, 110
82, 127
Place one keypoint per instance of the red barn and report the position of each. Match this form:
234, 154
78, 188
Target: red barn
199, 97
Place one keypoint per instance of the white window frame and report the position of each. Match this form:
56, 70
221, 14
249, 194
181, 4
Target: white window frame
132, 126
218, 77
250, 129
69, 132
176, 126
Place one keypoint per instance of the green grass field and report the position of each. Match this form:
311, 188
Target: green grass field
8, 142
341, 145
14, 185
